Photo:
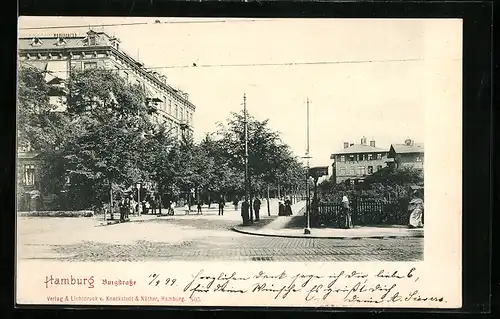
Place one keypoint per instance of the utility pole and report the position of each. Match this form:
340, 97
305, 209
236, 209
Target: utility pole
307, 230
247, 199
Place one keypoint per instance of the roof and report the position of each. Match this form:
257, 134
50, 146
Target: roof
404, 148
47, 43
359, 148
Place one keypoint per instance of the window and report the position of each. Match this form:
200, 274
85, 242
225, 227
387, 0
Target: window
370, 157
351, 158
125, 74
361, 170
176, 111
29, 175
164, 103
370, 169
170, 107
60, 41
379, 156
419, 159
91, 39
342, 158
89, 65
36, 42
182, 114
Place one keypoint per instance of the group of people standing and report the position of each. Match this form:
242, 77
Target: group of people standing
128, 206
285, 207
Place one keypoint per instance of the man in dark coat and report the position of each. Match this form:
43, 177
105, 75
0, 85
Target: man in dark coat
256, 208
245, 212
288, 207
122, 207
222, 203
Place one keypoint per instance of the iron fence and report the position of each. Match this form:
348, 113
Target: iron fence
364, 213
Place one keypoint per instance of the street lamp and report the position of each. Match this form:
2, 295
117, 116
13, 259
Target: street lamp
247, 180
307, 230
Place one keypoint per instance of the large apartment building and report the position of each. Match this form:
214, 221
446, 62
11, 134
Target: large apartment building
355, 161
59, 54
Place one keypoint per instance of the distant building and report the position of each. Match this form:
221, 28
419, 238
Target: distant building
409, 154
355, 161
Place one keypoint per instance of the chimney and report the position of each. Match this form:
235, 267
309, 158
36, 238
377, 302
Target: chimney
363, 140
408, 142
372, 143
346, 144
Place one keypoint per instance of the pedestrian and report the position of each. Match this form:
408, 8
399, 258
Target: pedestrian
198, 208
123, 208
416, 210
281, 208
172, 207
245, 212
288, 207
128, 207
222, 203
235, 203
153, 206
256, 208
346, 208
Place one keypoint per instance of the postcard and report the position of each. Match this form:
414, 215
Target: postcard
239, 162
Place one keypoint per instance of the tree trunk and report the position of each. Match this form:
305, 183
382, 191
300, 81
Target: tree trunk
159, 199
268, 207
110, 202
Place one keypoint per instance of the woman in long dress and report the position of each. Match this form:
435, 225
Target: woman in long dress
281, 208
416, 207
346, 209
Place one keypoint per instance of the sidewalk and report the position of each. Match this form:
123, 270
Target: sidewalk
278, 228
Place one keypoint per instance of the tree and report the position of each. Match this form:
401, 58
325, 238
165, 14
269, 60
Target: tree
269, 159
39, 128
106, 143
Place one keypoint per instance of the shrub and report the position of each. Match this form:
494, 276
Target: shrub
80, 213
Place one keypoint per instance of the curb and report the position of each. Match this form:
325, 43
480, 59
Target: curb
111, 223
323, 237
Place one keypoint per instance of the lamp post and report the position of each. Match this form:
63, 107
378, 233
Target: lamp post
307, 230
246, 157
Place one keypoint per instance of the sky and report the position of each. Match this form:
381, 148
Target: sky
375, 88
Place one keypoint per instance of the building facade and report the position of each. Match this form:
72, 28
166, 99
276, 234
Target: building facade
59, 55
409, 154
62, 53
28, 183
356, 161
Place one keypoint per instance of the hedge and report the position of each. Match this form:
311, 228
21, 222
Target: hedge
75, 213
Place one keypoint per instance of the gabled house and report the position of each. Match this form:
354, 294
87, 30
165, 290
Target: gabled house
409, 154
356, 161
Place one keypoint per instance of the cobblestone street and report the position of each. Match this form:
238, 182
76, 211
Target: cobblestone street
193, 238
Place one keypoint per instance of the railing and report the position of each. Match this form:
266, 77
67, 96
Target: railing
364, 212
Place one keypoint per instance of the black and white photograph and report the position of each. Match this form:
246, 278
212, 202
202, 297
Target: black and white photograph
229, 139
